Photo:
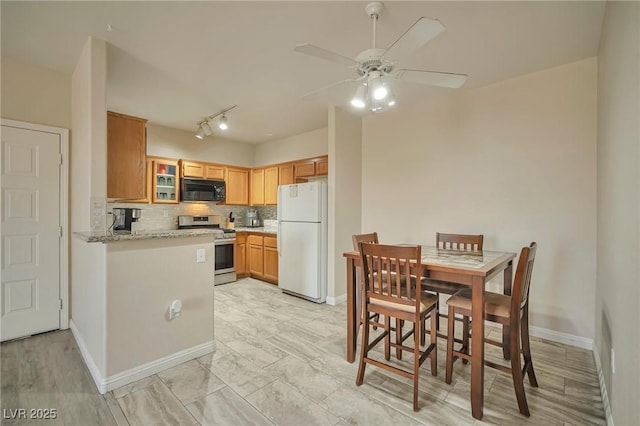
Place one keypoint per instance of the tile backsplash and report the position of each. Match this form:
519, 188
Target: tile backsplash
165, 216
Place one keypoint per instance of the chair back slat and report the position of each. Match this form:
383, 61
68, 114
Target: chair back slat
459, 241
386, 271
522, 280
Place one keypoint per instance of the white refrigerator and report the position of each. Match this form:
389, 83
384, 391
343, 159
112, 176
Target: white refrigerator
302, 240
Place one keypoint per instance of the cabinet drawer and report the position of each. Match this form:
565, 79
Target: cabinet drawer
271, 242
255, 240
241, 237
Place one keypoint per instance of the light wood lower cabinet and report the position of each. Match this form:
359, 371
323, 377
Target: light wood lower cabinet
240, 254
261, 257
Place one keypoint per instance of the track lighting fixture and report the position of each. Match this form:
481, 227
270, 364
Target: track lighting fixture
204, 127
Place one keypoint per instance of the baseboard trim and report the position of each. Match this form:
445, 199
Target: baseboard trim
105, 385
559, 337
88, 359
336, 300
153, 367
603, 387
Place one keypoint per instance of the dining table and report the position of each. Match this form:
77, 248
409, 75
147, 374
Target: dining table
470, 268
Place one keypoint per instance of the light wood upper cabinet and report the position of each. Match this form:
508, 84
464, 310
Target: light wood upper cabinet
305, 169
192, 169
285, 174
165, 181
271, 186
322, 167
237, 187
214, 172
126, 156
257, 187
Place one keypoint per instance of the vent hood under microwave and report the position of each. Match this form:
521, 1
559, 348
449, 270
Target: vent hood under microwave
202, 190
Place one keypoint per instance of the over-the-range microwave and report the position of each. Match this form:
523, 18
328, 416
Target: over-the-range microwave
202, 190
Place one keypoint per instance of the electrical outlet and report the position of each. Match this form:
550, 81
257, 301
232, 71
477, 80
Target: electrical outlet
165, 213
613, 361
201, 255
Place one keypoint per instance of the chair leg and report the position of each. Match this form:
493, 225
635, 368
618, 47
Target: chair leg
526, 349
387, 339
423, 335
450, 335
465, 337
438, 309
434, 342
416, 361
516, 371
398, 338
364, 351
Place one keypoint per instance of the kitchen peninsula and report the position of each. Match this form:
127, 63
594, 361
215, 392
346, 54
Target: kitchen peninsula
124, 326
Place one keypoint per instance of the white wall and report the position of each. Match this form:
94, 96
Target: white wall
345, 185
174, 143
88, 179
34, 94
304, 145
618, 281
515, 161
143, 277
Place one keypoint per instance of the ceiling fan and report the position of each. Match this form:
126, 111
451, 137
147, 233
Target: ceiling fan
377, 68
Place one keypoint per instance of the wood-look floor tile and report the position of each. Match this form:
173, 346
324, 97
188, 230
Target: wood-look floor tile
154, 404
240, 374
190, 381
225, 407
302, 376
283, 405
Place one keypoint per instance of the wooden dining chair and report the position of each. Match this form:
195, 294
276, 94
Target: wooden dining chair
388, 292
357, 239
506, 310
462, 242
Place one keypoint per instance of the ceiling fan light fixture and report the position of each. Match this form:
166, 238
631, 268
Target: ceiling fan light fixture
223, 123
359, 98
377, 89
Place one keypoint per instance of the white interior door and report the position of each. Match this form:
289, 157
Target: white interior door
30, 246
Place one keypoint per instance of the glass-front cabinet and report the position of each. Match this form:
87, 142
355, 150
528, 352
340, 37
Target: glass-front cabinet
165, 181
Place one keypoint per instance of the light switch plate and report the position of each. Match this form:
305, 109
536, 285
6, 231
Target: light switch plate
201, 255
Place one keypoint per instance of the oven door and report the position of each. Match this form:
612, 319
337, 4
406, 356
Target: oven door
225, 271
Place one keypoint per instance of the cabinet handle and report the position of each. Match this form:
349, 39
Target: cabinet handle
278, 243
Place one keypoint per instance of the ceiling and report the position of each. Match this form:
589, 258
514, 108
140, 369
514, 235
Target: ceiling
175, 62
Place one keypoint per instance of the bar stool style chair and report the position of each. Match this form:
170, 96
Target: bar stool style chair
471, 243
388, 292
357, 239
506, 310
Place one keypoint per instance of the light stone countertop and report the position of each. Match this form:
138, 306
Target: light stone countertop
93, 237
262, 229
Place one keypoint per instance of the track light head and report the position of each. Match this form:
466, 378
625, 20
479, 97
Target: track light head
200, 135
223, 124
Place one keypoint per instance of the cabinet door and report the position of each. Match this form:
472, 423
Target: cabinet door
322, 167
257, 187
271, 186
214, 172
305, 169
256, 260
126, 156
285, 174
191, 169
239, 259
271, 264
165, 182
237, 187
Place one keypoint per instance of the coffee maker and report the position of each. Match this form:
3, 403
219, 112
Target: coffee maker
123, 218
252, 219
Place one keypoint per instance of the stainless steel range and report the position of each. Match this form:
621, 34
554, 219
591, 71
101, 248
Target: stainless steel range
224, 241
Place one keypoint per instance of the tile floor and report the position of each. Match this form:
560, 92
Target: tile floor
280, 360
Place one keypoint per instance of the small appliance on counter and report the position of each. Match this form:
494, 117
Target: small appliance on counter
252, 219
123, 218
224, 241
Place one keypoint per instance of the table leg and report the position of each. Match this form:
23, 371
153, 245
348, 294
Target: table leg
506, 341
352, 308
477, 347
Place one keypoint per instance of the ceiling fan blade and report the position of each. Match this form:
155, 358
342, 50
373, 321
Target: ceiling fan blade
319, 52
433, 78
416, 36
333, 91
